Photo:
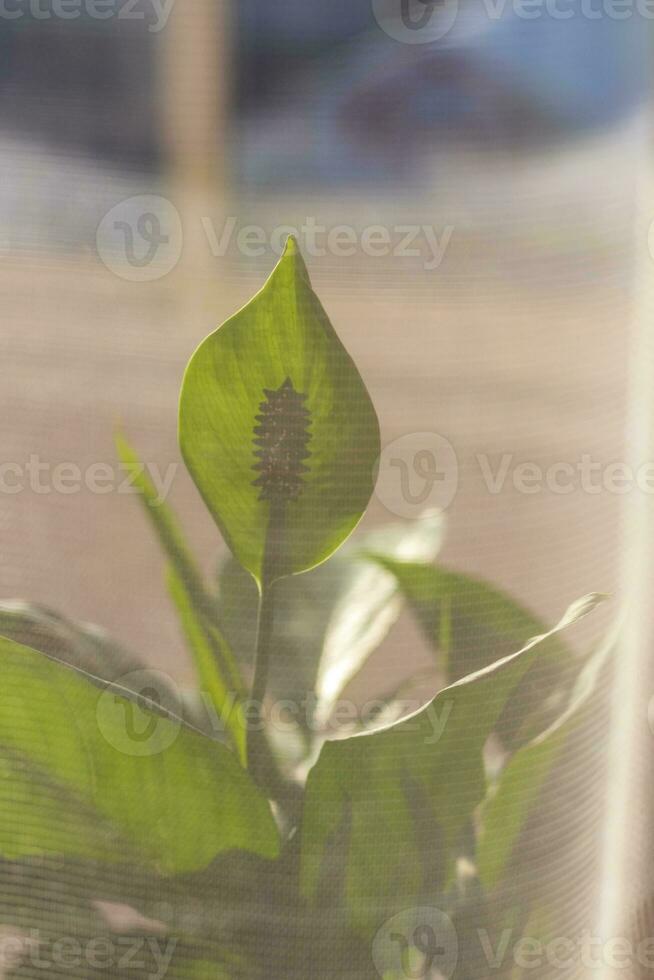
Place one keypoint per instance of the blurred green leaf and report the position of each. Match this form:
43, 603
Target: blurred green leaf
470, 624
245, 903
102, 774
283, 333
179, 922
512, 799
330, 620
166, 528
218, 674
399, 798
369, 604
81, 645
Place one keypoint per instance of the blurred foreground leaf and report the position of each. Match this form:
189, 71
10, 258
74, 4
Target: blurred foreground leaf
519, 786
399, 799
469, 624
102, 774
218, 674
81, 645
165, 526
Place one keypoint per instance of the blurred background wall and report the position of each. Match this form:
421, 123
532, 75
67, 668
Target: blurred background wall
465, 179
501, 151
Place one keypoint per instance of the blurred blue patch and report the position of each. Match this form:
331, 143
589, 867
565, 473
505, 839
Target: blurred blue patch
342, 99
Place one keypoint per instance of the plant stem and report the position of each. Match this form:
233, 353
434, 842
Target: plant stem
265, 623
272, 564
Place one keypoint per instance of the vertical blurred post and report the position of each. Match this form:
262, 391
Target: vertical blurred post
626, 878
194, 85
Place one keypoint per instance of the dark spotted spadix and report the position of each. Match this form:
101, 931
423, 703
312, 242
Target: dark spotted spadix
281, 440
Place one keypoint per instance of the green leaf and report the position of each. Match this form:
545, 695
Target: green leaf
369, 604
81, 645
469, 621
329, 621
512, 799
99, 774
34, 893
193, 921
406, 792
470, 624
166, 528
218, 672
283, 333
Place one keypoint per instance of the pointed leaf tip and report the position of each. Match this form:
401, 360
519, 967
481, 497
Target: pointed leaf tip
291, 247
